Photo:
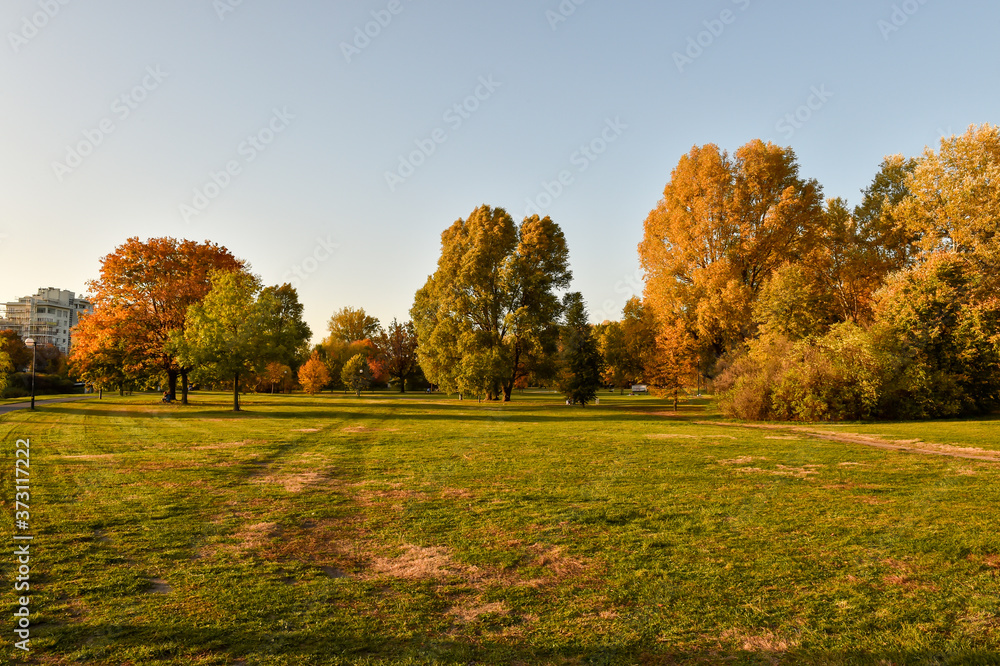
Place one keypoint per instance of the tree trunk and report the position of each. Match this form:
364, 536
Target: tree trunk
236, 392
402, 384
172, 384
184, 387
121, 390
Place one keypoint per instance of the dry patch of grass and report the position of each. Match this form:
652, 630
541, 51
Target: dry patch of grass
471, 611
742, 460
249, 538
227, 445
160, 586
293, 483
417, 562
685, 436
767, 642
361, 429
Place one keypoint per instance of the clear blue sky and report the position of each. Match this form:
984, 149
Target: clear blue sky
183, 84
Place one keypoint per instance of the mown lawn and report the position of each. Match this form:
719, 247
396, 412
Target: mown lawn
380, 530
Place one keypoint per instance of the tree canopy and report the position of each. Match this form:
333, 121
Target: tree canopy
489, 313
238, 328
141, 300
724, 225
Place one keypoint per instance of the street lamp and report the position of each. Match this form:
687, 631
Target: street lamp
31, 343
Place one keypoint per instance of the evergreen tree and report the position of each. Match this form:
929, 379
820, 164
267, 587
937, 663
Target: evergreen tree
581, 358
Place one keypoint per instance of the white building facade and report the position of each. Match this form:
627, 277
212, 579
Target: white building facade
48, 317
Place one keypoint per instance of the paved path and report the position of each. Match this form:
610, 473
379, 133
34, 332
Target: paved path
5, 409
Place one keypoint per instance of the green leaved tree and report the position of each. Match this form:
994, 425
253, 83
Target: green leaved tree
236, 330
356, 374
491, 307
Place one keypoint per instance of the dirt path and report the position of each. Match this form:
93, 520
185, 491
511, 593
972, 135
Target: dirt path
907, 445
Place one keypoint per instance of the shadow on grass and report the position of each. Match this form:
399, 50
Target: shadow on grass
177, 642
486, 413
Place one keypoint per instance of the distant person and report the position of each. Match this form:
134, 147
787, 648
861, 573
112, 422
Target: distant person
166, 397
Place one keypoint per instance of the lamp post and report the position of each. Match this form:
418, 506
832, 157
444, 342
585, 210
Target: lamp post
31, 343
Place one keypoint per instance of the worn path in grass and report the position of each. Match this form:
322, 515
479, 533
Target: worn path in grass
904, 445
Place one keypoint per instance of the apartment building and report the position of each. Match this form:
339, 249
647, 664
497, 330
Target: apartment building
48, 317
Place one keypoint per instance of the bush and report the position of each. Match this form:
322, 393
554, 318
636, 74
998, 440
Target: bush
19, 385
832, 378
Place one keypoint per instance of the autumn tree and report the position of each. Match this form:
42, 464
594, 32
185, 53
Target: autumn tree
628, 346
144, 291
19, 353
890, 240
954, 201
724, 225
335, 354
673, 361
491, 306
356, 374
397, 351
580, 376
276, 373
6, 365
612, 344
101, 355
313, 374
349, 325
232, 331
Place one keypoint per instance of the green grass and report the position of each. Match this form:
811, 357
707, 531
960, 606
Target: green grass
385, 530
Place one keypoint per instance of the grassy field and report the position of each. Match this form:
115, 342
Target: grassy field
417, 530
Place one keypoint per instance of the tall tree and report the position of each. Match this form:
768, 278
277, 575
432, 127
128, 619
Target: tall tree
20, 354
491, 306
580, 378
100, 354
313, 374
891, 242
356, 374
230, 332
350, 325
144, 291
722, 228
397, 347
6, 365
290, 334
954, 200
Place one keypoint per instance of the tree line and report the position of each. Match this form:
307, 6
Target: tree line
786, 304
796, 308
